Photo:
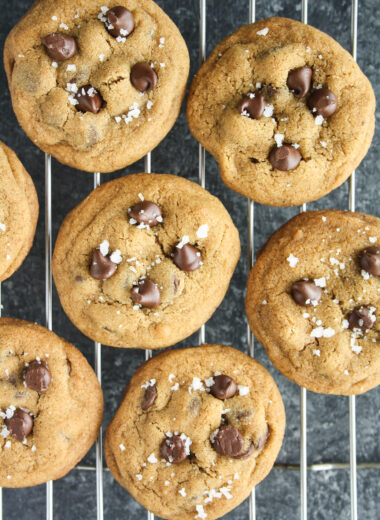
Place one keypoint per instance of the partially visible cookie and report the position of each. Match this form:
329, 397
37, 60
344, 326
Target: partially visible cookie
313, 301
18, 212
51, 405
145, 260
285, 111
96, 83
196, 430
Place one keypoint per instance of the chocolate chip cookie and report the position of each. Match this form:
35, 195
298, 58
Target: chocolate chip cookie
313, 301
285, 111
145, 260
196, 430
51, 405
97, 84
18, 212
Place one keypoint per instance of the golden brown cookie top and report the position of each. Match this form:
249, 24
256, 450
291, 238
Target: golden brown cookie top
51, 405
313, 300
204, 426
18, 212
145, 260
284, 109
88, 77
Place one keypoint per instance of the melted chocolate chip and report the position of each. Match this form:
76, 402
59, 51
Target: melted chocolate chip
68, 366
306, 293
299, 81
285, 158
360, 318
146, 212
89, 99
187, 258
173, 449
79, 278
370, 260
120, 21
59, 46
322, 102
247, 453
19, 425
228, 441
38, 376
253, 106
149, 397
146, 294
102, 267
143, 77
224, 387
262, 441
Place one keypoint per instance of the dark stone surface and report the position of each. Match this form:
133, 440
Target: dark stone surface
328, 428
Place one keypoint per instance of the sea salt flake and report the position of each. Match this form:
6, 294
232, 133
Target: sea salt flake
54, 18
54, 64
373, 239
3, 227
201, 513
184, 240
202, 231
196, 385
320, 282
293, 261
243, 390
365, 275
152, 458
64, 26
323, 144
268, 110
279, 139
71, 68
101, 57
209, 382
139, 477
316, 352
116, 257
182, 492
104, 247
122, 447
152, 382
319, 120
263, 32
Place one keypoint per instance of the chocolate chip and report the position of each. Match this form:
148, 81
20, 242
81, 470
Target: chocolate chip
285, 158
306, 293
143, 77
322, 102
149, 397
146, 293
68, 366
102, 267
146, 212
187, 258
59, 46
370, 260
224, 387
120, 22
247, 453
79, 278
228, 441
253, 160
19, 425
299, 81
243, 415
173, 449
262, 441
38, 376
89, 99
360, 318
253, 106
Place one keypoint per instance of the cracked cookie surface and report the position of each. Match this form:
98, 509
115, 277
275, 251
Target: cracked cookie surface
18, 212
203, 481
49, 382
242, 131
46, 87
145, 283
313, 301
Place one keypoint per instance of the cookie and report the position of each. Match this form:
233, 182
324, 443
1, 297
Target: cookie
51, 405
196, 430
97, 84
18, 212
145, 260
285, 111
313, 301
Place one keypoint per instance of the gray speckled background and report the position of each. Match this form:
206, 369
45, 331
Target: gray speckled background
328, 429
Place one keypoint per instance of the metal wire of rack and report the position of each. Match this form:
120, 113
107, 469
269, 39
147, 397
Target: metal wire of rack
303, 467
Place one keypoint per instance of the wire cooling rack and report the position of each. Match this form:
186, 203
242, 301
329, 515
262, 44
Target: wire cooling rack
303, 466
